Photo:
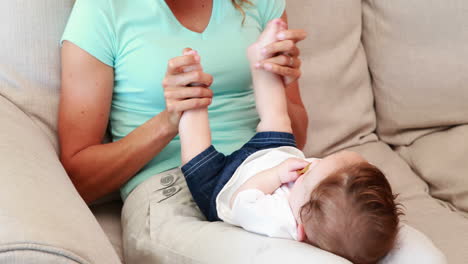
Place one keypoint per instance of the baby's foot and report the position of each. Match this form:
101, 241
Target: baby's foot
255, 51
195, 67
268, 36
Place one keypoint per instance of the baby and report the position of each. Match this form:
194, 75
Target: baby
341, 203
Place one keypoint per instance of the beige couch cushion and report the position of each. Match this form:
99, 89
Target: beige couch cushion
40, 209
447, 229
418, 56
338, 96
30, 58
441, 159
42, 218
335, 85
36, 254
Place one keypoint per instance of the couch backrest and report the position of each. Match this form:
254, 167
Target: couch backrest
29, 57
419, 74
418, 56
335, 85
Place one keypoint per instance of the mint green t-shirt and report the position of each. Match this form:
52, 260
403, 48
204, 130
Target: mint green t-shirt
138, 37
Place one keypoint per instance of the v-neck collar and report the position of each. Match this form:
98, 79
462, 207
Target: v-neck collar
174, 18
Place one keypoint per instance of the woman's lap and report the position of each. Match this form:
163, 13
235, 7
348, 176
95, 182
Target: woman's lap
161, 224
138, 220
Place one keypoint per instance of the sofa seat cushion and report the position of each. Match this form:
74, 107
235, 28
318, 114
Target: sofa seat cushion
441, 159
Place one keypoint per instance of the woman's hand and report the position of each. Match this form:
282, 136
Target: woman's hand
283, 55
180, 95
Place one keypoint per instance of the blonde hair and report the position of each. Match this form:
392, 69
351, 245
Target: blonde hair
239, 4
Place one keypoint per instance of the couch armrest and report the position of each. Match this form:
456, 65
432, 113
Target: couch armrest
39, 207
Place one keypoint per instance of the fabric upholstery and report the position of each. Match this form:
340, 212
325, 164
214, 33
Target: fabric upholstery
335, 84
440, 159
38, 203
39, 207
30, 58
417, 54
37, 254
108, 216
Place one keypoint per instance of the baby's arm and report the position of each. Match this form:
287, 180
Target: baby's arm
271, 179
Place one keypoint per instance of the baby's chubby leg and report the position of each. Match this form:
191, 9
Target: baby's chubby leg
270, 95
194, 128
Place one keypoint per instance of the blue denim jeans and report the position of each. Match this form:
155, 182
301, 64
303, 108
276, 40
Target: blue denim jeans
209, 171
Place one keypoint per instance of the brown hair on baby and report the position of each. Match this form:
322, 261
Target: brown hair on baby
352, 213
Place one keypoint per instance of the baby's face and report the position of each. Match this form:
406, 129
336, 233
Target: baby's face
318, 171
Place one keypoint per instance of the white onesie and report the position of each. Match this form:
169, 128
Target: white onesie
271, 215
253, 210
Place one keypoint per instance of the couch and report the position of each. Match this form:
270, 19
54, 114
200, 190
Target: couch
388, 79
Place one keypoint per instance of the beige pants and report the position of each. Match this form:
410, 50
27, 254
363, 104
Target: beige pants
161, 224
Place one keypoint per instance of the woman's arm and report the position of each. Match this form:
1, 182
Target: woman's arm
97, 169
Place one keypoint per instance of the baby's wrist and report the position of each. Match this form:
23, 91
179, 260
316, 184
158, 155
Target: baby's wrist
280, 175
254, 54
254, 68
255, 63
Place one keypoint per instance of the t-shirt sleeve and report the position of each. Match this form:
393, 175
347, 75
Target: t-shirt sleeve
91, 27
270, 9
262, 214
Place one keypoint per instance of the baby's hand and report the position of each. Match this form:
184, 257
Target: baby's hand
288, 169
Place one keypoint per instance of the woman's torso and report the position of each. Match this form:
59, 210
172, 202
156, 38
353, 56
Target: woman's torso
146, 35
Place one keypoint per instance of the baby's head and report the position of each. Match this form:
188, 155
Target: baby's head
345, 205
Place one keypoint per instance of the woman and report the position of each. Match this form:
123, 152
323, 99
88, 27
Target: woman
121, 61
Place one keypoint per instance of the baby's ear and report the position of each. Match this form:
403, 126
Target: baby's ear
301, 236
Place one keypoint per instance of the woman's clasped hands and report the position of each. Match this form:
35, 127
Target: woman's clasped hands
185, 85
283, 55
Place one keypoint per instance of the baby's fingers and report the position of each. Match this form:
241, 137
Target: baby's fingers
295, 164
290, 177
289, 169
